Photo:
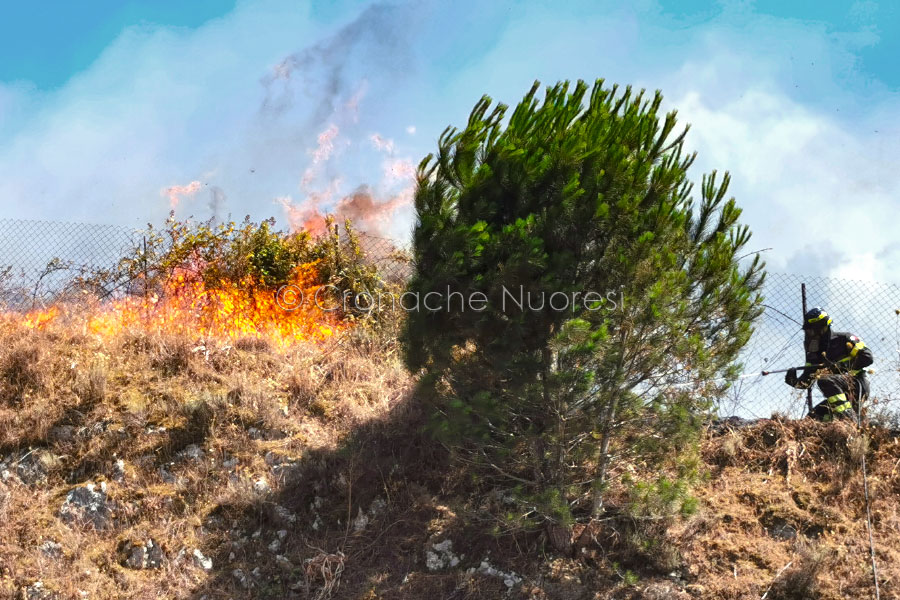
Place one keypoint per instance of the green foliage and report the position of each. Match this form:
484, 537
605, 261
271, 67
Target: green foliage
662, 498
223, 254
246, 255
584, 192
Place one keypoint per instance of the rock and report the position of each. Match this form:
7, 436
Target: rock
143, 555
361, 521
51, 549
440, 556
98, 428
155, 556
261, 486
135, 558
204, 562
191, 452
377, 507
282, 533
283, 562
664, 591
275, 546
782, 530
62, 433
87, 505
242, 578
510, 580
36, 591
31, 467
118, 470
167, 476
696, 590
720, 426
284, 515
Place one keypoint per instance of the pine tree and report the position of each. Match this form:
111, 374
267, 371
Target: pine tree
565, 199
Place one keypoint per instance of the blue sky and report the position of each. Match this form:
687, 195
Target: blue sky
115, 111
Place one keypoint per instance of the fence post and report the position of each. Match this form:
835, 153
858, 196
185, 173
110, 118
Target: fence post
144, 260
809, 389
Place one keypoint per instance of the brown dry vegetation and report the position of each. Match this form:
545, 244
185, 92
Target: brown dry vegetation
302, 473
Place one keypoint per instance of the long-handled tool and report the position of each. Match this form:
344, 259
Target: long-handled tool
792, 369
869, 371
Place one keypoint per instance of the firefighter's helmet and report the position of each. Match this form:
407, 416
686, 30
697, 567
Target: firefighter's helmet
816, 320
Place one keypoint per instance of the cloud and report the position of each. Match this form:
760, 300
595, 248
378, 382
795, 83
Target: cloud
235, 105
241, 105
818, 190
778, 103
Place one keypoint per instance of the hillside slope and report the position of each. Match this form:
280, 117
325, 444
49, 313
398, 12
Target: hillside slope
140, 465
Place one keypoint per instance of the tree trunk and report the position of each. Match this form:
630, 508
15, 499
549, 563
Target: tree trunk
614, 391
560, 537
608, 419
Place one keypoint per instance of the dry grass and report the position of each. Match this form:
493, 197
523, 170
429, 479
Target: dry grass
20, 370
179, 430
221, 447
801, 581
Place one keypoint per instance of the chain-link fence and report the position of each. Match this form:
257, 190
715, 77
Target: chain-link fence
865, 308
38, 259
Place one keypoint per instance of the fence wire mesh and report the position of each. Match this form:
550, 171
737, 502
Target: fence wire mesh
867, 309
39, 260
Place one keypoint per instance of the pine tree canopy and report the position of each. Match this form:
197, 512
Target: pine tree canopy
584, 196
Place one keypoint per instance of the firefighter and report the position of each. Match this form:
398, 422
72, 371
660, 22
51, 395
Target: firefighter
837, 361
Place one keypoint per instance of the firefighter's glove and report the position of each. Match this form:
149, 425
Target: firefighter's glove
830, 366
790, 378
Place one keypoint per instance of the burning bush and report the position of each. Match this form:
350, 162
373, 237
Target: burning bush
240, 282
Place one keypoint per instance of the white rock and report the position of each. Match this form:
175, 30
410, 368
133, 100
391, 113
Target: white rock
241, 577
283, 561
360, 522
377, 507
118, 471
204, 562
441, 556
510, 579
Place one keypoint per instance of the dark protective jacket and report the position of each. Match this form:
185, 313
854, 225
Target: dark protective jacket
844, 353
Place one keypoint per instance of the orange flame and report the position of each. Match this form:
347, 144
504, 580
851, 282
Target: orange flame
176, 192
230, 312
